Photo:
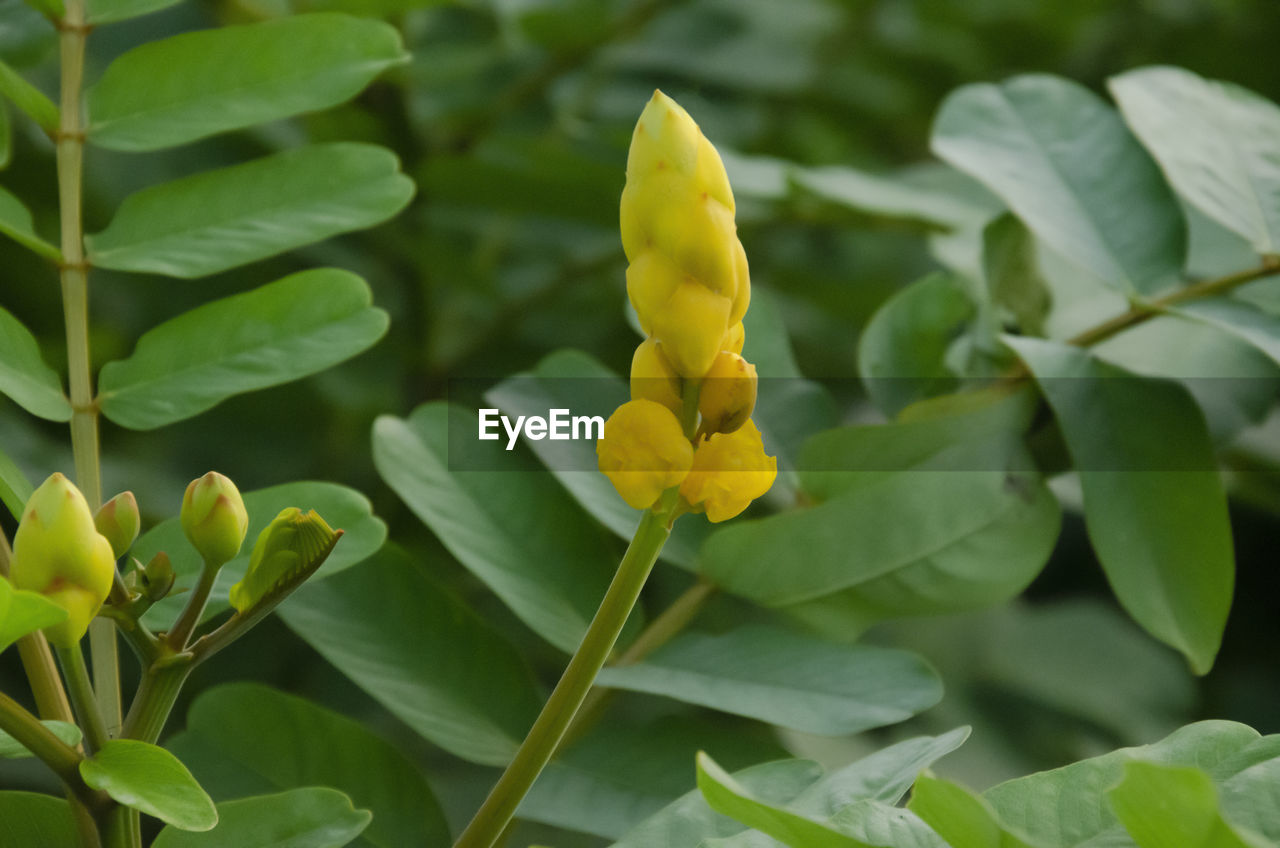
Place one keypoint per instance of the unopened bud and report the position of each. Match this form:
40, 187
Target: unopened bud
214, 518
728, 393
157, 577
653, 378
288, 551
120, 521
59, 553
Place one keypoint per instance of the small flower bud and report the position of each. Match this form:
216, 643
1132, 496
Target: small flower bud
653, 378
214, 518
644, 452
730, 470
728, 393
157, 577
734, 339
59, 553
691, 327
288, 551
120, 521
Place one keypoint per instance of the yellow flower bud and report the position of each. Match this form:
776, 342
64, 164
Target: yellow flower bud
691, 327
288, 551
742, 282
120, 521
59, 553
644, 452
730, 470
728, 393
653, 378
651, 280
214, 518
734, 339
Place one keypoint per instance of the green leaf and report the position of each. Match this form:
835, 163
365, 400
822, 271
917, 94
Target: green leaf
619, 775
246, 738
152, 780
688, 821
423, 655
312, 817
342, 508
210, 222
730, 798
16, 223
883, 197
975, 537
1066, 164
197, 84
23, 374
963, 819
29, 99
12, 749
970, 430
902, 352
1239, 318
1249, 793
571, 379
1012, 274
1216, 143
15, 488
1067, 806
1154, 505
1173, 805
285, 330
857, 800
513, 528
785, 678
32, 820
23, 612
109, 11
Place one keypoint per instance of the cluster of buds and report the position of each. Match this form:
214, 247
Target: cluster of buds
688, 423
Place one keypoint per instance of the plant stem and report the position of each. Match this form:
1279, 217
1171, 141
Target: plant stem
39, 740
156, 695
189, 618
567, 697
95, 732
657, 633
75, 307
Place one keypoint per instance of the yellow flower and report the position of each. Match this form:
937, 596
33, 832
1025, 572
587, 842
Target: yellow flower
728, 393
688, 278
734, 339
644, 452
653, 378
730, 470
59, 553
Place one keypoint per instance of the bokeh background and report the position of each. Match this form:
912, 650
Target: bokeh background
514, 118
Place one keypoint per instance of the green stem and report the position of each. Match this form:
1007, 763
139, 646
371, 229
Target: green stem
567, 697
657, 633
189, 619
75, 307
39, 740
156, 695
95, 731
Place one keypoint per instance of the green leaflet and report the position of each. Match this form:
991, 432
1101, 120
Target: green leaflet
197, 84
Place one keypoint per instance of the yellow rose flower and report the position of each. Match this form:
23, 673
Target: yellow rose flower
643, 452
730, 470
